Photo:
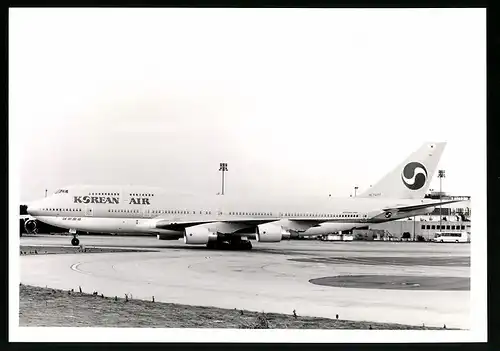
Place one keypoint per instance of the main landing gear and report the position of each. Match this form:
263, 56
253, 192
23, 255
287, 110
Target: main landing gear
74, 241
230, 245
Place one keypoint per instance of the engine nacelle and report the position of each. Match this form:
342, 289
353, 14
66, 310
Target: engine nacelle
270, 233
198, 235
30, 226
329, 228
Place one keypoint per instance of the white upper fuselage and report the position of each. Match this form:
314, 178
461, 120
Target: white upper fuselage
133, 209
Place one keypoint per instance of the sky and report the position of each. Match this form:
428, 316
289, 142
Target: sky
303, 101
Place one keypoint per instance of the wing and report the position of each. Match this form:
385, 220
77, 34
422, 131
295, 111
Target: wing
235, 224
181, 225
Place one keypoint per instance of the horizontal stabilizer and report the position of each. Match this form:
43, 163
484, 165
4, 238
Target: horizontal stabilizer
421, 206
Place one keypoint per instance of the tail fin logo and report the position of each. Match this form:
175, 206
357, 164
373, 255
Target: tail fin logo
414, 175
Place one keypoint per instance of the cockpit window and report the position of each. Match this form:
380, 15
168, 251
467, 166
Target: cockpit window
59, 191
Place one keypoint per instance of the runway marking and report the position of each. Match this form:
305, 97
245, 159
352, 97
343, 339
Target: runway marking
75, 268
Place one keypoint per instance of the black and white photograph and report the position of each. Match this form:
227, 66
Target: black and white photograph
247, 174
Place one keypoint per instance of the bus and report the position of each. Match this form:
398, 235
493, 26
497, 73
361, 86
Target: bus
451, 237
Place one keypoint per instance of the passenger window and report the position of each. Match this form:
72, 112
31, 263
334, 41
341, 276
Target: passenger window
423, 226
429, 227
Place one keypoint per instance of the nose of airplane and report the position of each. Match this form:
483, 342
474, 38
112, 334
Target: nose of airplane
32, 208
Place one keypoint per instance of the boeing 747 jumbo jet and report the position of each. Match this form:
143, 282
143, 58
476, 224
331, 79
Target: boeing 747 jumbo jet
231, 220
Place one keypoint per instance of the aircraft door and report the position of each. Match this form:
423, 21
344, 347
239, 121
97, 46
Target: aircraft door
89, 212
147, 212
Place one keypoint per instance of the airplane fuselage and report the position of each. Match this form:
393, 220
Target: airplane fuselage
134, 210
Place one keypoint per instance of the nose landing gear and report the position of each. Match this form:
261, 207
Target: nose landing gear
74, 241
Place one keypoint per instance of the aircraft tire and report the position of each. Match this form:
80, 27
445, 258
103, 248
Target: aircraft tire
75, 242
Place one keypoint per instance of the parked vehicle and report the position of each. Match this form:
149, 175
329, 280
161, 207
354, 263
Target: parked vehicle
451, 237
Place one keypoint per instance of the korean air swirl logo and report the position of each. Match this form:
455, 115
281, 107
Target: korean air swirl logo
414, 175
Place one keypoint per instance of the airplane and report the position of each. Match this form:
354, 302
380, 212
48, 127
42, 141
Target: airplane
222, 221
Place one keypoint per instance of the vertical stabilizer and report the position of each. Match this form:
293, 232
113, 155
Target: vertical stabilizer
411, 179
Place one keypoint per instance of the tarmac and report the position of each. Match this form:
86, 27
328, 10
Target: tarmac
393, 282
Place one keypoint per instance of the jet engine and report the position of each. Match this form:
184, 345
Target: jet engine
30, 226
198, 235
271, 233
331, 227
